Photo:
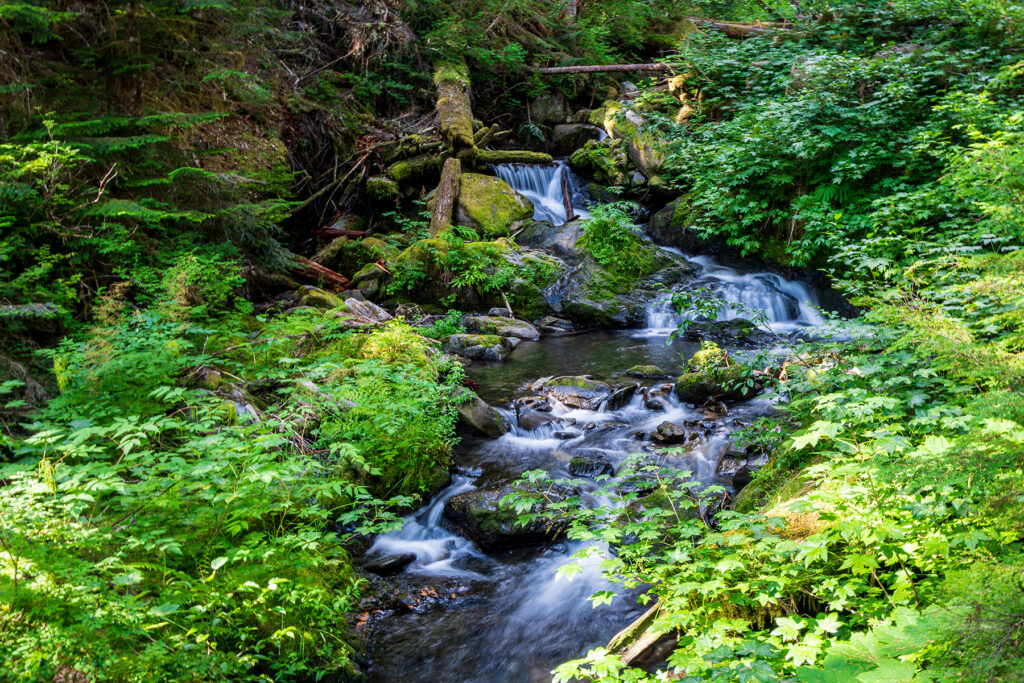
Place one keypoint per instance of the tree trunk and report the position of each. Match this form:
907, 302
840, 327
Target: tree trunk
445, 197
453, 107
602, 68
735, 29
567, 197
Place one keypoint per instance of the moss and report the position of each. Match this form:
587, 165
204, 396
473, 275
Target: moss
383, 189
645, 372
606, 161
488, 205
318, 298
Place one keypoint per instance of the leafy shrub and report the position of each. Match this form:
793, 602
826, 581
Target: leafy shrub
612, 238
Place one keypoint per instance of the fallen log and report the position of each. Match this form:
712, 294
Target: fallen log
514, 156
453, 108
339, 232
443, 202
736, 29
418, 167
601, 68
309, 270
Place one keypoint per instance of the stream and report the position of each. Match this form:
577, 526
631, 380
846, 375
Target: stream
504, 615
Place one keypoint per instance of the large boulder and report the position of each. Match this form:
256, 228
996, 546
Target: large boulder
724, 384
672, 226
481, 418
560, 240
736, 332
481, 346
581, 391
482, 516
490, 206
606, 161
502, 326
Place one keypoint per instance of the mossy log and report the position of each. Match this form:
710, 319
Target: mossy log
443, 202
485, 157
418, 168
453, 108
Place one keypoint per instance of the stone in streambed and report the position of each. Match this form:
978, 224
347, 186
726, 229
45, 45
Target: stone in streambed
481, 418
533, 411
482, 516
646, 372
719, 384
389, 565
620, 397
581, 391
502, 326
590, 466
552, 326
481, 346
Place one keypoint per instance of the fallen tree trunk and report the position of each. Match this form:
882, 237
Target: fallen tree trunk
601, 68
453, 107
735, 29
309, 270
339, 232
417, 168
443, 202
516, 156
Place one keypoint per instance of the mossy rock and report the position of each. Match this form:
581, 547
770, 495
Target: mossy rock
579, 391
606, 161
347, 255
383, 189
646, 372
481, 346
503, 327
716, 384
490, 206
315, 297
482, 516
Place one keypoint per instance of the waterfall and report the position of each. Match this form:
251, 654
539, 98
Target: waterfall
542, 185
787, 305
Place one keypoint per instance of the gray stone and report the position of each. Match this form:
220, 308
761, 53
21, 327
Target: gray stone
390, 564
502, 326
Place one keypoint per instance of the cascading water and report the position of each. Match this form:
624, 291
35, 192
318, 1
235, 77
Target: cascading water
543, 186
787, 305
505, 616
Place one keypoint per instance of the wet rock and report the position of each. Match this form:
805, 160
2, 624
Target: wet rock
390, 564
718, 384
590, 425
620, 397
581, 391
560, 240
590, 466
480, 346
567, 434
481, 516
552, 326
532, 412
481, 418
499, 312
669, 433
502, 326
737, 332
655, 402
646, 372
487, 204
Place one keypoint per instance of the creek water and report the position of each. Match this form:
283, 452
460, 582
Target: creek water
505, 616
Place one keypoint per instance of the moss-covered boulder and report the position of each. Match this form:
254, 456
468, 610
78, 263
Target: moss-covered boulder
483, 517
643, 147
503, 327
606, 161
314, 297
726, 384
383, 190
347, 255
481, 346
490, 206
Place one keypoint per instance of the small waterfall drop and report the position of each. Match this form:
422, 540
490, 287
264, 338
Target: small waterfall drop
542, 185
788, 306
